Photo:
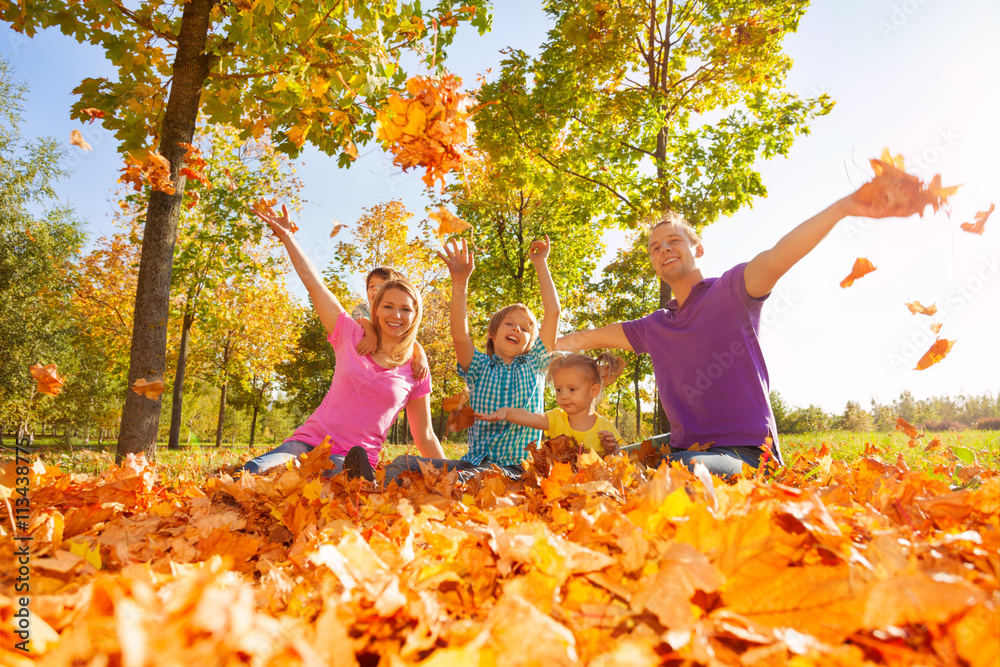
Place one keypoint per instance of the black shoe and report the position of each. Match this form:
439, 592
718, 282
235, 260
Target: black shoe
356, 464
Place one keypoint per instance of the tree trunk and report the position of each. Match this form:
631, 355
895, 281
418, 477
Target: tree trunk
141, 415
222, 412
174, 441
638, 402
253, 424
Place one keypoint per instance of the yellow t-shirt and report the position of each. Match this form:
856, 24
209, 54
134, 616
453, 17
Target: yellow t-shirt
559, 425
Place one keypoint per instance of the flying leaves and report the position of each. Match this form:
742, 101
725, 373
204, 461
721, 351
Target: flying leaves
265, 205
979, 225
47, 380
938, 351
147, 167
862, 267
460, 414
150, 390
428, 127
76, 139
895, 193
337, 226
448, 223
92, 113
917, 309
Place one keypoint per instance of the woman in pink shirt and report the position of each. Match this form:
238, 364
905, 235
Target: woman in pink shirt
367, 392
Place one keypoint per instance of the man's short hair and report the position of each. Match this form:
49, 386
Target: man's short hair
383, 273
674, 218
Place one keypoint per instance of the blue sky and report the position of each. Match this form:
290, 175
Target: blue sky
918, 76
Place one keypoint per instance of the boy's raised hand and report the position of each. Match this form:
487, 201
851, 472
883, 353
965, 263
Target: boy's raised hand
458, 259
281, 225
538, 251
366, 345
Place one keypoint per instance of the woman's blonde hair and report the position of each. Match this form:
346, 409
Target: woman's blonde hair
404, 349
603, 370
497, 320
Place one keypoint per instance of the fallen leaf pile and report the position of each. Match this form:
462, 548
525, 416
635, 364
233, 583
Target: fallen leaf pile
147, 167
583, 561
428, 128
47, 380
897, 193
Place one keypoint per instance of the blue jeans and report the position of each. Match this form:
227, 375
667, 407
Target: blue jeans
466, 470
288, 450
720, 461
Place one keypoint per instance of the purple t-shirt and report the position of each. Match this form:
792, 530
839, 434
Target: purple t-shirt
364, 398
708, 364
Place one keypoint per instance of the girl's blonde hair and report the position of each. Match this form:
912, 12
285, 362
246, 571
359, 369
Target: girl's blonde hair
404, 349
497, 320
603, 370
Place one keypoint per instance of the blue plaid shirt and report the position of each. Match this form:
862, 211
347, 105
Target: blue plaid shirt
494, 384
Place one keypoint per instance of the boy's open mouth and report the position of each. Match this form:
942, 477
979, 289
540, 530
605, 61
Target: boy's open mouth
513, 340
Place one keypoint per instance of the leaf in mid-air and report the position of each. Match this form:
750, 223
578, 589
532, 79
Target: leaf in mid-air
76, 139
979, 225
151, 390
862, 267
918, 309
448, 222
47, 380
938, 351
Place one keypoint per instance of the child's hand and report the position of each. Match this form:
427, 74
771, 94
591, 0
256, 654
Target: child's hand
538, 251
419, 366
609, 443
367, 345
497, 416
458, 259
281, 225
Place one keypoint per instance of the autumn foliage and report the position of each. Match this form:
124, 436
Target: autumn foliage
583, 561
897, 193
429, 127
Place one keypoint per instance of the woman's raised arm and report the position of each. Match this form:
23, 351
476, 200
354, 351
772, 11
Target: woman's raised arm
324, 302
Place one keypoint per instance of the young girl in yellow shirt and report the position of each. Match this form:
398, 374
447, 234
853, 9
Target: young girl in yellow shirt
578, 380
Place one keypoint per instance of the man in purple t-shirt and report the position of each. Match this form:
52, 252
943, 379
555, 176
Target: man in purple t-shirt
704, 345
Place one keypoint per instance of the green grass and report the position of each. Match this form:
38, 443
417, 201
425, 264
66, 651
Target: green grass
197, 462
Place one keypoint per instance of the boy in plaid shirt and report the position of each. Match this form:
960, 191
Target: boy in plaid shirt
510, 374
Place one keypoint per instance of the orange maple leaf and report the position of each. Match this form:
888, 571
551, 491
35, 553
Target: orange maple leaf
93, 113
917, 309
909, 429
698, 447
936, 327
862, 267
337, 226
264, 204
461, 419
76, 139
456, 402
938, 351
151, 390
147, 168
194, 163
448, 222
979, 225
47, 380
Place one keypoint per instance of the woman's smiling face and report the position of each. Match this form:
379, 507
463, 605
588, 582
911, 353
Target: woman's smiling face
395, 312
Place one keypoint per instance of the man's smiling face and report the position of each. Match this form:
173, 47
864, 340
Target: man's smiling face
672, 252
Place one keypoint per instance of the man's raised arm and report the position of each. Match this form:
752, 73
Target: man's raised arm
609, 337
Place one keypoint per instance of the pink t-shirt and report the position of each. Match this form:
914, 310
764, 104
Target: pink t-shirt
364, 398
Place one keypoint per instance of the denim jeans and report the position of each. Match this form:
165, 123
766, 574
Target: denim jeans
720, 461
466, 470
290, 449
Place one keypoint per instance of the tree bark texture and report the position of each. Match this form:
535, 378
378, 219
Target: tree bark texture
141, 415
